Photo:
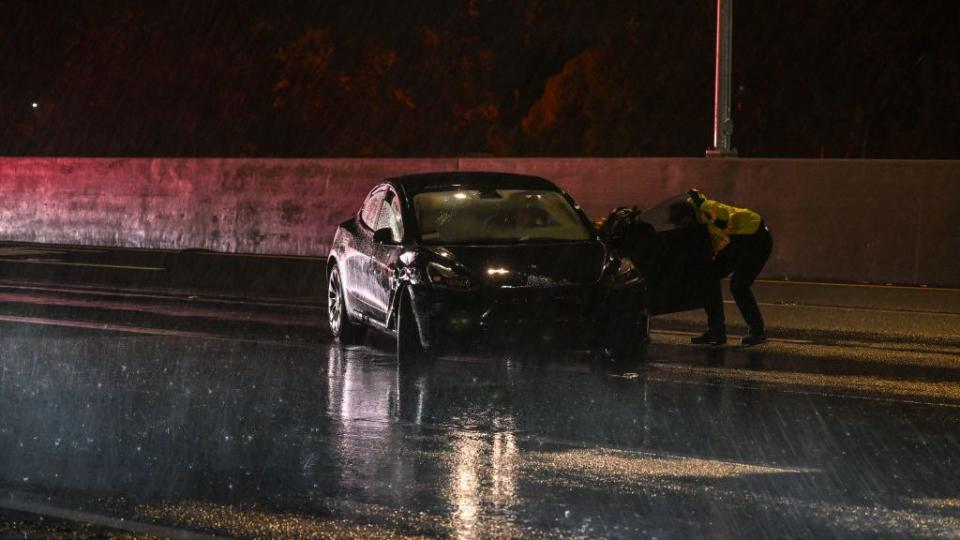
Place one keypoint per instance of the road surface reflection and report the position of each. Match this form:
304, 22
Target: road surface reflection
257, 440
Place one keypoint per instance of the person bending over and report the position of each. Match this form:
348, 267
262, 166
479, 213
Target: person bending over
741, 244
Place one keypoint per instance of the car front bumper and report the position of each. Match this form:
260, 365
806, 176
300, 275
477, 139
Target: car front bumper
563, 316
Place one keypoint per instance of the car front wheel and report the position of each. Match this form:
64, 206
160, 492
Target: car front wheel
626, 342
341, 327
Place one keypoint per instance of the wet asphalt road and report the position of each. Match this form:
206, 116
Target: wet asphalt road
225, 415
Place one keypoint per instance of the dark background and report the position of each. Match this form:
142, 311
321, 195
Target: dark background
812, 78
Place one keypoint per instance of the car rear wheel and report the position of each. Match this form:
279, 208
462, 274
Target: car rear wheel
341, 327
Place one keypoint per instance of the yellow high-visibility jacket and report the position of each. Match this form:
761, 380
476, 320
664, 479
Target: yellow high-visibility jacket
723, 220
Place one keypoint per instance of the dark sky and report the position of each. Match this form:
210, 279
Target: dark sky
858, 78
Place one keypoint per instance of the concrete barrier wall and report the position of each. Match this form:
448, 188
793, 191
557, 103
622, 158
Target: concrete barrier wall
835, 220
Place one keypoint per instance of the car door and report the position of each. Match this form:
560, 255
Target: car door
676, 257
360, 284
682, 269
385, 254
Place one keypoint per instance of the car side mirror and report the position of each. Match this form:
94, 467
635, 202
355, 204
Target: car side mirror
383, 236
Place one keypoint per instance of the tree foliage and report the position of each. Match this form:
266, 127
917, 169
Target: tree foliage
452, 77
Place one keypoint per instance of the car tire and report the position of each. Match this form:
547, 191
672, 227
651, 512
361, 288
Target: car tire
627, 343
644, 326
409, 344
342, 328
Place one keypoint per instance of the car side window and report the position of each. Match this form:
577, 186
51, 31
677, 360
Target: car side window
371, 209
390, 216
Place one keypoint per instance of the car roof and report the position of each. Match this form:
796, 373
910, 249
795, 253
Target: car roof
438, 181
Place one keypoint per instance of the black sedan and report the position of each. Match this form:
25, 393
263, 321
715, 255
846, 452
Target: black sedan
464, 257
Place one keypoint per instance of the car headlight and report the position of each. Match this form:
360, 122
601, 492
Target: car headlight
444, 276
626, 273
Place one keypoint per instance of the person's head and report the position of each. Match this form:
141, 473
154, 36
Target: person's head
616, 225
696, 198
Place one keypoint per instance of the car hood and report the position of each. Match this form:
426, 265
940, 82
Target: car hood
548, 264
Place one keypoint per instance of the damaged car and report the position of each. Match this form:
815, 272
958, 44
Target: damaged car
441, 259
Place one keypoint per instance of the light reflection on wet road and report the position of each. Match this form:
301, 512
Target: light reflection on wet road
300, 439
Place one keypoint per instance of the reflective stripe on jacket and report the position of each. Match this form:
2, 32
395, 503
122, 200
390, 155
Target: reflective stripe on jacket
724, 220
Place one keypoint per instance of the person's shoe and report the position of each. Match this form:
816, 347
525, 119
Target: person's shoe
709, 338
752, 339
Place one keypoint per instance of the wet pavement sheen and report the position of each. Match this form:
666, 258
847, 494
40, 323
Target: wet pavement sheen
301, 438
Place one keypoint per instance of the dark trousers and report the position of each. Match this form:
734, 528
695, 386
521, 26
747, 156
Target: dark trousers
744, 256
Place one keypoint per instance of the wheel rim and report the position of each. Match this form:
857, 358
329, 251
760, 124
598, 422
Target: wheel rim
334, 312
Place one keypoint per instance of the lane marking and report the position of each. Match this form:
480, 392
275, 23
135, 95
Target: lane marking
183, 251
856, 285
255, 255
86, 265
26, 252
834, 344
166, 310
778, 387
11, 502
851, 308
63, 247
732, 336
186, 296
40, 321
841, 308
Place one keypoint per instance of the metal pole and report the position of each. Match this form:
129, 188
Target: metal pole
722, 123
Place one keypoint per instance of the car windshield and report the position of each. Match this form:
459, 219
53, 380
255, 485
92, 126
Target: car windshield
470, 216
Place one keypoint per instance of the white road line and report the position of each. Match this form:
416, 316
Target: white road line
184, 251
86, 265
185, 310
182, 296
11, 502
804, 392
683, 333
852, 308
40, 321
258, 256
854, 285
